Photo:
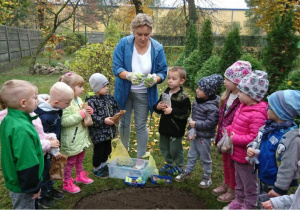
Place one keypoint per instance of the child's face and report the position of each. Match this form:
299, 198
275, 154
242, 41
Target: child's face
78, 90
64, 103
103, 90
244, 98
200, 93
31, 101
271, 114
230, 86
174, 80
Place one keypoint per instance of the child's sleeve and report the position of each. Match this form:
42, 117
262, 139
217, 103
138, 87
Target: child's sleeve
210, 122
243, 140
288, 165
283, 202
98, 118
70, 117
184, 111
27, 163
155, 109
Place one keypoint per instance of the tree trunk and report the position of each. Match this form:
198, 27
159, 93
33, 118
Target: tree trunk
138, 6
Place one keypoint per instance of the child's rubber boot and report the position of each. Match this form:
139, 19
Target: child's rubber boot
82, 178
70, 187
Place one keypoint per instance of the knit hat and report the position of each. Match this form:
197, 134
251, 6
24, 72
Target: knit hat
255, 84
98, 81
285, 103
210, 84
237, 71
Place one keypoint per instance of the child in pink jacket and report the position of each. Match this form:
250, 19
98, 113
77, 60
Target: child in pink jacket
249, 117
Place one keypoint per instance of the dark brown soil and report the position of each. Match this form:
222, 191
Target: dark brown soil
141, 198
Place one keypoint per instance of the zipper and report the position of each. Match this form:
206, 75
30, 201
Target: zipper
74, 134
108, 112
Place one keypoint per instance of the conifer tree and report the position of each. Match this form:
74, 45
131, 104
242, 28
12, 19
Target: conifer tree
281, 50
206, 42
231, 51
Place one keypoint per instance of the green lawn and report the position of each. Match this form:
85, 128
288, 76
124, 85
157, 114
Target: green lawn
45, 82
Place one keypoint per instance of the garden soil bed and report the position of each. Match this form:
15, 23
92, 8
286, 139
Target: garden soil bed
141, 198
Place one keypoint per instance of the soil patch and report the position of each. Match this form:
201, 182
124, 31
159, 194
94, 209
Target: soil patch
141, 198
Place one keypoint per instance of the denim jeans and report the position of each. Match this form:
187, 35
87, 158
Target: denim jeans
22, 200
138, 103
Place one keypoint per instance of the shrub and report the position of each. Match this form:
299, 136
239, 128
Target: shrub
211, 66
292, 81
172, 53
53, 63
80, 38
69, 49
206, 42
112, 33
255, 63
94, 58
60, 52
72, 43
232, 49
281, 49
191, 65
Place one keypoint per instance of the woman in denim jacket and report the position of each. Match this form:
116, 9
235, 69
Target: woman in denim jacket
139, 63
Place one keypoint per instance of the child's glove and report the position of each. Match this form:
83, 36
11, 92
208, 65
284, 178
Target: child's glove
150, 80
134, 77
254, 159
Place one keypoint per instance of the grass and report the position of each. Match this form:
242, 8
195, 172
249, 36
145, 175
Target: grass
45, 82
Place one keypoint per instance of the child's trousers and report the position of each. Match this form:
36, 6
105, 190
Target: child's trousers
172, 150
246, 185
101, 152
77, 161
229, 170
200, 148
22, 200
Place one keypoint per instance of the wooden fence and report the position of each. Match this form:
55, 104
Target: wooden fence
16, 43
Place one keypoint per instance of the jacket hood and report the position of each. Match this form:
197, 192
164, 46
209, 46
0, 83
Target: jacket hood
44, 105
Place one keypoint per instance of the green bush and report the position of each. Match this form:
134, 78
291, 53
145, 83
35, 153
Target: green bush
211, 66
80, 37
53, 63
255, 63
292, 81
191, 65
232, 49
94, 58
112, 33
72, 43
206, 42
172, 53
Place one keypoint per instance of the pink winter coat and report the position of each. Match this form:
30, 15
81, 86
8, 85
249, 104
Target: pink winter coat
46, 145
246, 123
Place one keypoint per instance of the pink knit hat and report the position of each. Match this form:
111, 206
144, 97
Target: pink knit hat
237, 71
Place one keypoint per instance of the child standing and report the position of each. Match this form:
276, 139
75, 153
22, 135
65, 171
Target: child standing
249, 117
277, 172
74, 136
228, 105
103, 130
173, 121
205, 115
50, 111
22, 157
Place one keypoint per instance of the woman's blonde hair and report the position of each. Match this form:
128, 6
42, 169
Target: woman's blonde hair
141, 20
225, 94
72, 79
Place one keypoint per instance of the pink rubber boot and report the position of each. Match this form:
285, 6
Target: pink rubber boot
82, 178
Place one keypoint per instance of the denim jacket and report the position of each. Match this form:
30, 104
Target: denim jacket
122, 61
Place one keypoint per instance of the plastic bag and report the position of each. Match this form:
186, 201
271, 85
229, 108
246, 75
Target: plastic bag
116, 118
166, 98
87, 121
117, 149
191, 132
151, 168
224, 144
57, 168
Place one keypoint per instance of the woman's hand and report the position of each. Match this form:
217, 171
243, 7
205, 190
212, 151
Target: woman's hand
150, 80
161, 105
134, 77
108, 121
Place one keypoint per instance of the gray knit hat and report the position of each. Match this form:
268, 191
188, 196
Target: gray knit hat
255, 84
98, 81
